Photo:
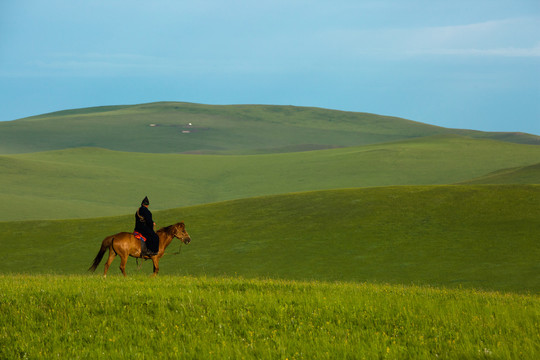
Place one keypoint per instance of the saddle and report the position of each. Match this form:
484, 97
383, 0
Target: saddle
139, 236
144, 249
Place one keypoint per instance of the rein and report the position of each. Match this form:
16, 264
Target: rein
179, 249
175, 253
181, 243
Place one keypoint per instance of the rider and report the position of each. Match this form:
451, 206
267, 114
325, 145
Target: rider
145, 225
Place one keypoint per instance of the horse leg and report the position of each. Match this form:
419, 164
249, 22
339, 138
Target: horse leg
155, 260
123, 261
112, 255
139, 266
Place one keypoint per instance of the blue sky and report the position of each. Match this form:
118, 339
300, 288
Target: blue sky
462, 64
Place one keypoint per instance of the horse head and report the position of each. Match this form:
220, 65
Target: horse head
181, 233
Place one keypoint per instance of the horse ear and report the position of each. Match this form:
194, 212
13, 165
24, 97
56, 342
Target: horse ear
182, 225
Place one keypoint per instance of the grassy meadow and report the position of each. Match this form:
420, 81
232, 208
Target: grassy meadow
87, 317
483, 237
240, 129
316, 234
518, 175
90, 182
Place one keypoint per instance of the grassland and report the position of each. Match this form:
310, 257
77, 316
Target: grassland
518, 175
240, 129
89, 182
483, 237
82, 317
316, 234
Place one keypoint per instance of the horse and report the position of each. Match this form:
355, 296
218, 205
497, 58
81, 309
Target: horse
125, 244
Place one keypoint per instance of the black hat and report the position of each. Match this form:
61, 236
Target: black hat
145, 201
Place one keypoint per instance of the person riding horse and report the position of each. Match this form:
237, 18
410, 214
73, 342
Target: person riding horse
144, 224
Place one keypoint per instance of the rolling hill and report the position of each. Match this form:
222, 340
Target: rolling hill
474, 236
275, 191
231, 129
92, 182
518, 175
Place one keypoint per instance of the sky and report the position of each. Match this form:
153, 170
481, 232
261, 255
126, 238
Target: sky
471, 64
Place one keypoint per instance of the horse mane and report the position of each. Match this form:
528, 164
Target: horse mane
167, 229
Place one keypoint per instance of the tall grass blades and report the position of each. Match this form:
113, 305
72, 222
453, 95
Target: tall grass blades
81, 317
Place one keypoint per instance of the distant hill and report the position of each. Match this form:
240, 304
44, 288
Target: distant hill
174, 127
485, 237
519, 175
92, 182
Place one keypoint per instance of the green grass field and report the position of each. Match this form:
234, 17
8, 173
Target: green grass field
483, 237
316, 234
519, 175
86, 317
89, 182
241, 129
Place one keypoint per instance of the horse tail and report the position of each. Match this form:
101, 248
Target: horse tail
104, 245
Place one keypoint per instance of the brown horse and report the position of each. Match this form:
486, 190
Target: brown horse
125, 244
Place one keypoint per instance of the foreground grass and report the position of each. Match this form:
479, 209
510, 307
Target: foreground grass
197, 317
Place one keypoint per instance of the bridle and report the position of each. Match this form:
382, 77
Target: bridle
178, 236
181, 242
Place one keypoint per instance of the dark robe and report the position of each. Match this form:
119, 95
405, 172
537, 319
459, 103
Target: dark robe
145, 225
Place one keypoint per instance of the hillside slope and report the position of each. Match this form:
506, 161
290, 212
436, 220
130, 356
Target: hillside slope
241, 129
90, 182
519, 175
473, 236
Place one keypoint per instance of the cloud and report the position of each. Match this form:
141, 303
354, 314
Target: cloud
509, 38
255, 44
92, 64
502, 52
